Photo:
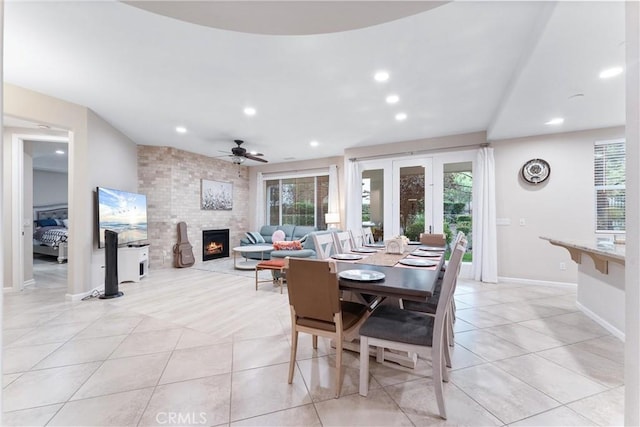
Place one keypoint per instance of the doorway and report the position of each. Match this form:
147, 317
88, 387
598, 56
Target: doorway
421, 194
37, 155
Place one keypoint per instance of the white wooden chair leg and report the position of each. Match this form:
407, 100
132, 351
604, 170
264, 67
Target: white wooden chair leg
379, 354
437, 365
445, 346
364, 366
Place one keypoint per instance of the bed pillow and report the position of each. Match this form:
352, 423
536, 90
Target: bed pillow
49, 222
65, 222
293, 245
254, 237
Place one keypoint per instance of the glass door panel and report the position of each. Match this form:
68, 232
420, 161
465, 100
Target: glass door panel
412, 204
457, 201
373, 201
412, 201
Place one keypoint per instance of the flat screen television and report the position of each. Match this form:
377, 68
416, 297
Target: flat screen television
122, 212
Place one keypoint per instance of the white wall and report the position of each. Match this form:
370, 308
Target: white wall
50, 188
98, 155
561, 207
114, 164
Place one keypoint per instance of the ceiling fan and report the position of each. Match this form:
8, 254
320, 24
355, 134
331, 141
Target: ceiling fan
239, 154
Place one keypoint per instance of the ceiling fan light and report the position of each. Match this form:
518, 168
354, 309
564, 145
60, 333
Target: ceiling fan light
237, 160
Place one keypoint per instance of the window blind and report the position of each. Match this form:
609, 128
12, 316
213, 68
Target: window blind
609, 182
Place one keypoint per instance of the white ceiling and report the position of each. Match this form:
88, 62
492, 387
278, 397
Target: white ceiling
503, 67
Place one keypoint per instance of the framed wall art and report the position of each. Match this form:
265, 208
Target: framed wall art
216, 195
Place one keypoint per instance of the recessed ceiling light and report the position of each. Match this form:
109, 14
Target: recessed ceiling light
381, 76
555, 121
250, 111
181, 129
253, 153
392, 99
314, 143
610, 72
401, 116
59, 152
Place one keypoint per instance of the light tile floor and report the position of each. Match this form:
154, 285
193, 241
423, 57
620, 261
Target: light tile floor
198, 347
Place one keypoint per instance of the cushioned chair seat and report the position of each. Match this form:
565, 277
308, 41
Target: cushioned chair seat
425, 307
395, 324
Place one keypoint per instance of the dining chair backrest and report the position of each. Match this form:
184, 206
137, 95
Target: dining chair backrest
342, 242
450, 278
367, 236
313, 290
324, 245
357, 238
433, 239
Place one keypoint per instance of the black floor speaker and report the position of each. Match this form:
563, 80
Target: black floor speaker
111, 265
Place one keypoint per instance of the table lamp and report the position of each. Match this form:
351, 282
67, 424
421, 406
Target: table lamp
331, 219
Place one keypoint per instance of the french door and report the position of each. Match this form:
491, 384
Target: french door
410, 196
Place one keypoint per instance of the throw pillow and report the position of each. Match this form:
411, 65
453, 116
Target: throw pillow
49, 222
254, 237
293, 245
278, 236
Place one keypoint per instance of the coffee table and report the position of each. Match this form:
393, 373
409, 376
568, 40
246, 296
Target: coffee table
244, 250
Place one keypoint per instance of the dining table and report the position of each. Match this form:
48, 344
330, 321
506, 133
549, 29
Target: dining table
414, 283
397, 282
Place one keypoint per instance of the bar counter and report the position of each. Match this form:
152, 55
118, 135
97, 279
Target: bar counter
600, 280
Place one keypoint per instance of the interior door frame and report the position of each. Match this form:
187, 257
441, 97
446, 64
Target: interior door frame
19, 221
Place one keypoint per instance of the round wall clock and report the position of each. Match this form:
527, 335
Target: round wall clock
536, 171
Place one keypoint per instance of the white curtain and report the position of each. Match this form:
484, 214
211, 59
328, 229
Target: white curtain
353, 198
260, 206
485, 248
334, 193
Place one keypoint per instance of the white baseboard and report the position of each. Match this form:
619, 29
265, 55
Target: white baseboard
600, 321
78, 297
536, 282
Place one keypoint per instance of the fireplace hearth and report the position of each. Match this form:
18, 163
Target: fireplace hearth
215, 244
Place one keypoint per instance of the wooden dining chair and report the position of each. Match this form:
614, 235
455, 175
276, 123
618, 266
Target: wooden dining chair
324, 244
357, 238
367, 236
316, 309
342, 242
395, 328
429, 307
433, 239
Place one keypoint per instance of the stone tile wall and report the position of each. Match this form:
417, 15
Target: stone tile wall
171, 179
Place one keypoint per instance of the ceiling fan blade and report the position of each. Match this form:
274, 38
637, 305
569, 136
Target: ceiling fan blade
257, 159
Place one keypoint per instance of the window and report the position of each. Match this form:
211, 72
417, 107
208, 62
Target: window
297, 201
609, 174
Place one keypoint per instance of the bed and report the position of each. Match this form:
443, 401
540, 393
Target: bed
50, 231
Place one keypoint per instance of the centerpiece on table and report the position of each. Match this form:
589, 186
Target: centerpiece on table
397, 245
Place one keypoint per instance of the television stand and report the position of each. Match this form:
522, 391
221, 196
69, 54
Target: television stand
133, 263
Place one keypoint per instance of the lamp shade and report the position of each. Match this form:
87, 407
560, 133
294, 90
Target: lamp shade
332, 218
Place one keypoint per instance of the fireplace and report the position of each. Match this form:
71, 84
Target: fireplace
215, 244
